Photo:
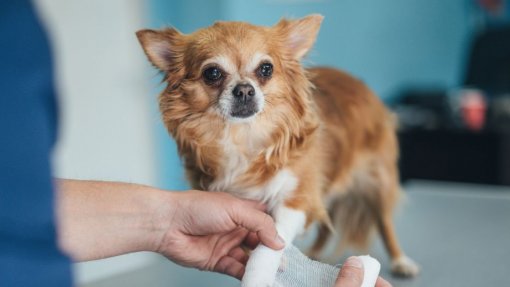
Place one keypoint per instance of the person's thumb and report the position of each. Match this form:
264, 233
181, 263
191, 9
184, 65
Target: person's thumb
351, 273
259, 222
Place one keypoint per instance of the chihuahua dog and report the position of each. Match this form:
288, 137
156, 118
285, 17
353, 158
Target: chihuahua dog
315, 145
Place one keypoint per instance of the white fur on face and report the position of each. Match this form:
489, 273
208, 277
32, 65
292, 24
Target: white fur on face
255, 61
226, 98
223, 62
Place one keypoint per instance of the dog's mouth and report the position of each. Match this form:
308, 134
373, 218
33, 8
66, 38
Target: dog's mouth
243, 110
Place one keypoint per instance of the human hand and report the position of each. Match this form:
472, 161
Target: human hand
207, 229
351, 275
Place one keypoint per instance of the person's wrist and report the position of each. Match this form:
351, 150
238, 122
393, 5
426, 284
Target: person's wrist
164, 206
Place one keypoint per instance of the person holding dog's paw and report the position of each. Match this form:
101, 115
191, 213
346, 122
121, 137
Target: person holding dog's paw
42, 223
196, 229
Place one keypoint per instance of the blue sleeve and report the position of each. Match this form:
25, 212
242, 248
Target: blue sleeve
29, 255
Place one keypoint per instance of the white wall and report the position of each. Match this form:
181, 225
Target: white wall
106, 119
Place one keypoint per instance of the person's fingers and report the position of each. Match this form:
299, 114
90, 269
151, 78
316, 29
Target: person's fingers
382, 283
230, 266
351, 273
259, 222
255, 204
239, 255
230, 241
252, 240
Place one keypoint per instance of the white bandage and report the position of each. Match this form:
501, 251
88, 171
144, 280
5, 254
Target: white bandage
372, 268
297, 270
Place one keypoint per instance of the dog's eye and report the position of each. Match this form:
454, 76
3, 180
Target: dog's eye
212, 74
266, 70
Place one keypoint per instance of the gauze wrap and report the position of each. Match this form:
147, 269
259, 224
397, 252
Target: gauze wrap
297, 270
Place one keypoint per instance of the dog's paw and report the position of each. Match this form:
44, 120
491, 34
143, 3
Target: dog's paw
404, 267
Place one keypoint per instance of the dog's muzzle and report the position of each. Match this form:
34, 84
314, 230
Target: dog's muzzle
244, 104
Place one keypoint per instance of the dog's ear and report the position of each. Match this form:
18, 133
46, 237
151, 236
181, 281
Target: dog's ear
299, 35
165, 50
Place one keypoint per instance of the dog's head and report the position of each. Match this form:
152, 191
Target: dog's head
233, 70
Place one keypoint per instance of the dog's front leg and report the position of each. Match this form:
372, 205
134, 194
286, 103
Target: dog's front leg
263, 263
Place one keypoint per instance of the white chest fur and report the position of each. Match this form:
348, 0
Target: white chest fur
263, 263
235, 163
274, 191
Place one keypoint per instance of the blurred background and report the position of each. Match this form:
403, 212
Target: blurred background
442, 66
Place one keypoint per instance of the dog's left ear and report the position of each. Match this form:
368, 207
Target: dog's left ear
299, 35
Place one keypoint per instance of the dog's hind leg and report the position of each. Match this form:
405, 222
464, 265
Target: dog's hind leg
401, 265
323, 235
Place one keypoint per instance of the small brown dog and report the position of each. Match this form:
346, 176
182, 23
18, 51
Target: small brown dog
313, 144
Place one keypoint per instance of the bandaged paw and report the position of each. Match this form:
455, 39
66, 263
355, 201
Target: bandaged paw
297, 270
262, 267
371, 268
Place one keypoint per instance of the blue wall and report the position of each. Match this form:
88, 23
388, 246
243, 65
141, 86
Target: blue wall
184, 15
388, 44
385, 43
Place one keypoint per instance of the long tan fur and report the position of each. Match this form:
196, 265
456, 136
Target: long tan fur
324, 125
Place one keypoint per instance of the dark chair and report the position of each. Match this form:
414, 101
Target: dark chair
488, 65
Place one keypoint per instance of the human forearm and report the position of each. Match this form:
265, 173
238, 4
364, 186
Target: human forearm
102, 219
195, 229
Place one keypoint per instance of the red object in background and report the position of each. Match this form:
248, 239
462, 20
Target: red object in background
473, 108
492, 6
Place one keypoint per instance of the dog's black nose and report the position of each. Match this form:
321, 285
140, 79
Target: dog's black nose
244, 91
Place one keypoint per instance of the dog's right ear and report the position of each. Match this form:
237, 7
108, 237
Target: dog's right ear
165, 50
161, 47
